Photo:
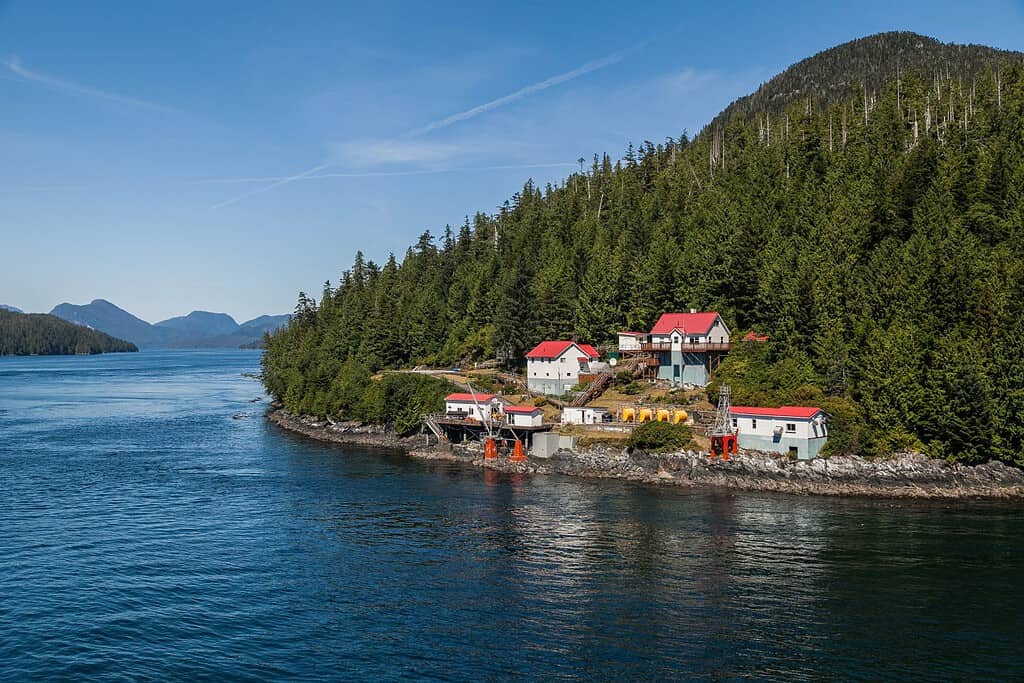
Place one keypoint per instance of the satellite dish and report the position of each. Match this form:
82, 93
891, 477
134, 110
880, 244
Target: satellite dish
613, 362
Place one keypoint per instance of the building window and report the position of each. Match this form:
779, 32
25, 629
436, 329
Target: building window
735, 423
569, 373
753, 423
561, 360
790, 428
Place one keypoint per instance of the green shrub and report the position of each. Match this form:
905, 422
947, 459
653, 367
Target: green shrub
660, 437
632, 389
623, 377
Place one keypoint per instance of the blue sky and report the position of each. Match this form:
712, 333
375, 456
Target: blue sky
223, 156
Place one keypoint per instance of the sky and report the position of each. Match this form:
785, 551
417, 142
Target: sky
223, 156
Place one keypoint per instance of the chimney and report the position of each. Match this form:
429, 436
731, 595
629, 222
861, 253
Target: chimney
693, 310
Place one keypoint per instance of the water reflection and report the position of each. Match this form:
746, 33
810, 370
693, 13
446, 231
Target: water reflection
145, 527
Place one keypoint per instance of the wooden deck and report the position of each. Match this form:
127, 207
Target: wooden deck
457, 430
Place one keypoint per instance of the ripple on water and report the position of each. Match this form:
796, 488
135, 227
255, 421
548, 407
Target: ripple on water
147, 534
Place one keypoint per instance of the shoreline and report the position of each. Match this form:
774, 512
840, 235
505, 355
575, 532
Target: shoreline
902, 476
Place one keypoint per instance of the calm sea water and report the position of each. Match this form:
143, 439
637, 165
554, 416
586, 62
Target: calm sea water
154, 526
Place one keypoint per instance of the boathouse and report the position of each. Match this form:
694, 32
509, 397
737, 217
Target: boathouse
478, 407
798, 431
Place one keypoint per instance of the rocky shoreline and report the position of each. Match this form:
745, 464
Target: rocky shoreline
906, 475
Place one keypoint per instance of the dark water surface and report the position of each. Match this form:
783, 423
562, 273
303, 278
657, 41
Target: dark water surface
145, 533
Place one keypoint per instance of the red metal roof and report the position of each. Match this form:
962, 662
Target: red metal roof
632, 334
554, 349
755, 337
527, 410
798, 412
468, 398
689, 323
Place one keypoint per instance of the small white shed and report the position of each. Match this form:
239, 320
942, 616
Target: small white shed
524, 416
583, 416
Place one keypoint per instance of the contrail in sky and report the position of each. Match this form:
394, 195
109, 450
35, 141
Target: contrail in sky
14, 65
374, 174
587, 68
540, 86
278, 183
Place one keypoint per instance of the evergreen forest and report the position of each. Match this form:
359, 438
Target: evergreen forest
872, 228
40, 334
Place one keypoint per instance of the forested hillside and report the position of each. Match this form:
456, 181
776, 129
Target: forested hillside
876, 238
24, 334
863, 67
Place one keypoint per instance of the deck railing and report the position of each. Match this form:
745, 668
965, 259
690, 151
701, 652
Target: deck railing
688, 347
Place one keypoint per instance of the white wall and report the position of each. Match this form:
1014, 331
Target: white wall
717, 334
765, 426
482, 413
525, 420
581, 416
628, 342
565, 367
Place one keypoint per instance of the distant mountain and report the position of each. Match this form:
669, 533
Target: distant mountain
249, 334
198, 329
106, 317
25, 334
264, 323
11, 308
201, 324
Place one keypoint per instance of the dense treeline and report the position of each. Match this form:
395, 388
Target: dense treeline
24, 334
878, 240
865, 66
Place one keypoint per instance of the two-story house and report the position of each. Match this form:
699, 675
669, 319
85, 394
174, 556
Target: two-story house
683, 344
554, 367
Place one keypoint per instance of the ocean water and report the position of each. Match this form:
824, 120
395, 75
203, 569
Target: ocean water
153, 526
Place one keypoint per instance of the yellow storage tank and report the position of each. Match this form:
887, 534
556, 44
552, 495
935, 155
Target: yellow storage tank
628, 414
680, 416
646, 414
663, 415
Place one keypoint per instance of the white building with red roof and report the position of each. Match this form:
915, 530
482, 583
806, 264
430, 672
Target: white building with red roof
554, 367
469, 406
683, 344
798, 431
524, 416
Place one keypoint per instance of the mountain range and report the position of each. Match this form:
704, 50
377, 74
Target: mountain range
198, 329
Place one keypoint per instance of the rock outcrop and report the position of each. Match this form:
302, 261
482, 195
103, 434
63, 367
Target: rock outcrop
905, 475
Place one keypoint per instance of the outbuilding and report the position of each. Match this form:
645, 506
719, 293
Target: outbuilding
524, 416
798, 431
583, 416
632, 341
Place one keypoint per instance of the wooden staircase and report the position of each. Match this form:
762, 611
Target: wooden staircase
595, 389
